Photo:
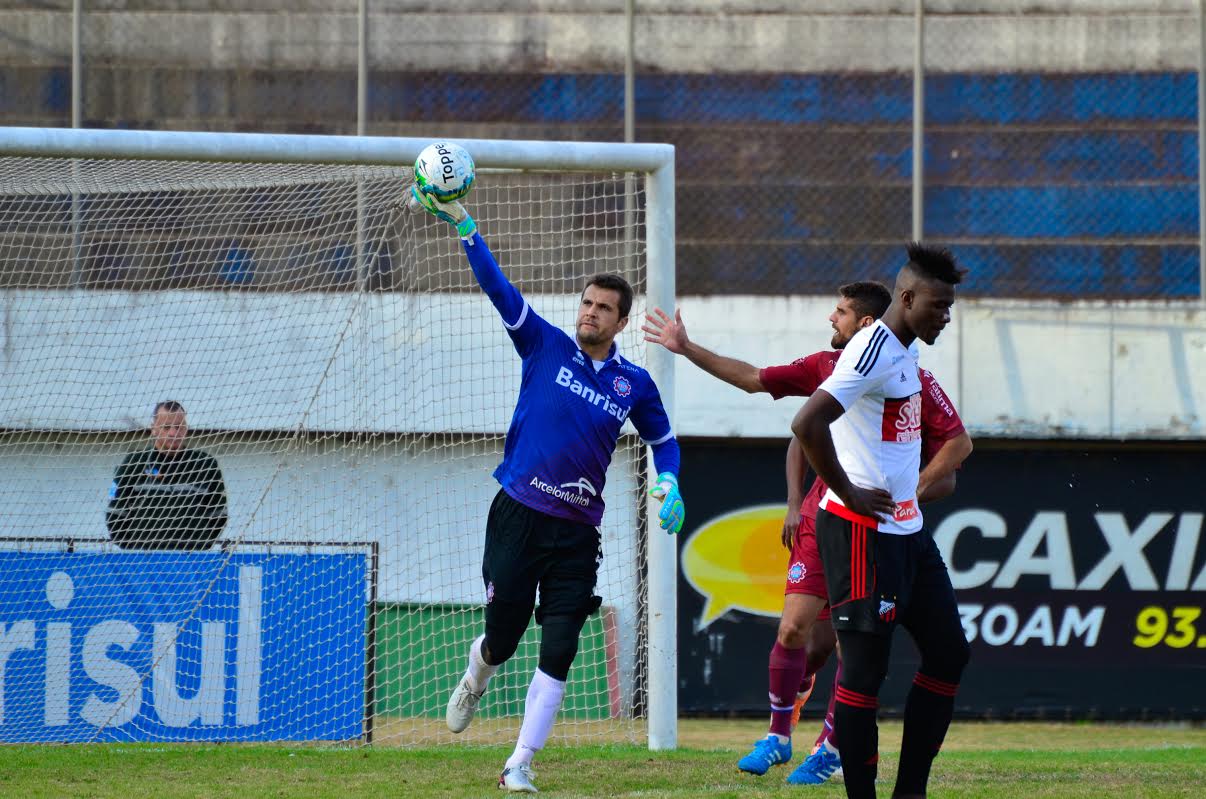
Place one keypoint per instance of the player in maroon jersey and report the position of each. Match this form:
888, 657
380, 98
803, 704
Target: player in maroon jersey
802, 647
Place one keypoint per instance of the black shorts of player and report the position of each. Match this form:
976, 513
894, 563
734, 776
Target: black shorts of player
878, 580
527, 549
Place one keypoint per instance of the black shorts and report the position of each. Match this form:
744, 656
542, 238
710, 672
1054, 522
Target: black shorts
878, 580
527, 549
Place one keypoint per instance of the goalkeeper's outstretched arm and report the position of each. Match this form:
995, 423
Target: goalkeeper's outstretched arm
506, 298
511, 305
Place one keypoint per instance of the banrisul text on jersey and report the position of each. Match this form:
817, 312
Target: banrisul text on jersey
570, 409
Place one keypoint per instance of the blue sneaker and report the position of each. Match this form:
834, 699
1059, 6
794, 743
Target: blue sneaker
767, 752
816, 768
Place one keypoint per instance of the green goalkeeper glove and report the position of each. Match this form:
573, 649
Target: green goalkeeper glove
452, 212
673, 511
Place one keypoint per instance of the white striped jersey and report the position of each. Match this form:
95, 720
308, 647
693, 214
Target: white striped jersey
878, 438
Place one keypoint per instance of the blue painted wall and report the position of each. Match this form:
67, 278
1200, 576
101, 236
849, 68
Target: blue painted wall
1044, 184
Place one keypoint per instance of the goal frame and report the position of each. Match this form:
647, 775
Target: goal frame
654, 161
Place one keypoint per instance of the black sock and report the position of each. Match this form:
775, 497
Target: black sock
857, 734
927, 716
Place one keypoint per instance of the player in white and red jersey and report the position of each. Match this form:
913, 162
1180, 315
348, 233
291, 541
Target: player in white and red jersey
945, 444
805, 600
861, 431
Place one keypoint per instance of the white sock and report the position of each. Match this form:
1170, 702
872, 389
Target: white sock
479, 672
539, 711
829, 746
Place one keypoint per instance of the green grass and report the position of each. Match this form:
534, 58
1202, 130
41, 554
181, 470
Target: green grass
987, 761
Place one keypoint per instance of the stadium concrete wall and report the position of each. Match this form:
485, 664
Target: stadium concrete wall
700, 36
1014, 369
314, 491
1038, 370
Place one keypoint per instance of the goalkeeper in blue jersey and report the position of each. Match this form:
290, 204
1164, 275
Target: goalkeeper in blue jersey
542, 532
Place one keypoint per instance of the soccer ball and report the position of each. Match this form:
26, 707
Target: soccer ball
445, 170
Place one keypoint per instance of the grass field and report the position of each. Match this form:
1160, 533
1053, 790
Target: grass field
997, 760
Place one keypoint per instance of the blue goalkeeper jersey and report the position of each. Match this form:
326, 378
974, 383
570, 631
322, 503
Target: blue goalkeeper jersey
569, 415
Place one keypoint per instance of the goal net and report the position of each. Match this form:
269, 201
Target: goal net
290, 549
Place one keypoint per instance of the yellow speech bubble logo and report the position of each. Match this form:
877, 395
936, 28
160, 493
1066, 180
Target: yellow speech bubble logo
737, 561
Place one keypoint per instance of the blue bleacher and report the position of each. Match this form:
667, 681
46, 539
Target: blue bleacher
827, 99
1059, 185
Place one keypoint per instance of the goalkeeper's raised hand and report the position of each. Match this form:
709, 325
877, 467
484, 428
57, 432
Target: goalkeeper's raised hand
673, 512
452, 212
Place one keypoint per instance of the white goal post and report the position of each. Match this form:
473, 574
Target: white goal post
107, 237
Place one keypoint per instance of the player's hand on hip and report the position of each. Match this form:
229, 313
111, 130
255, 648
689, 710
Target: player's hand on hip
791, 526
873, 502
670, 333
451, 212
673, 511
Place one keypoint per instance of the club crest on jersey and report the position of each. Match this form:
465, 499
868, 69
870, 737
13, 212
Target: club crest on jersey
622, 385
489, 592
887, 611
796, 572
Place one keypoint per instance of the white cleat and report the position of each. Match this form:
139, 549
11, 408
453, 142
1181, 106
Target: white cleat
518, 779
462, 705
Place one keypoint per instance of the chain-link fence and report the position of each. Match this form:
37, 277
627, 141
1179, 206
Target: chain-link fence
1060, 136
1075, 175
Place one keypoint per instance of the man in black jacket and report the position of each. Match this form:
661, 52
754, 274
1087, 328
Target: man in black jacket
167, 496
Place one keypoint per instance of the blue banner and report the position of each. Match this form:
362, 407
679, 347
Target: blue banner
181, 646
